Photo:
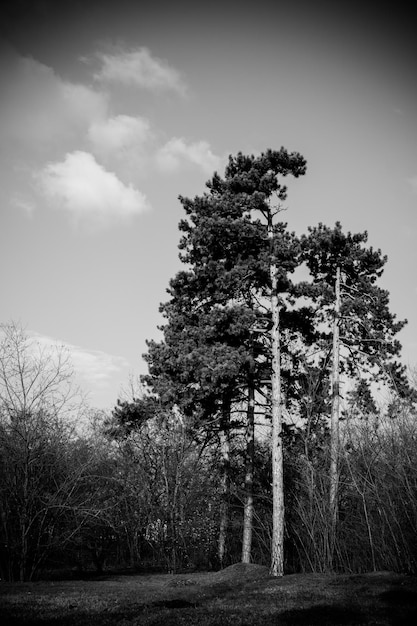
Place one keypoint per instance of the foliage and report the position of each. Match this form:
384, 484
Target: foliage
219, 300
367, 327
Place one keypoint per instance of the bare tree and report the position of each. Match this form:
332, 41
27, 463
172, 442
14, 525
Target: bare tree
38, 483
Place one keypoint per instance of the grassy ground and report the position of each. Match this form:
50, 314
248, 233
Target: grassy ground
239, 595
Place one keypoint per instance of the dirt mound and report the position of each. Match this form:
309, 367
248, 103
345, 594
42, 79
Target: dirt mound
242, 572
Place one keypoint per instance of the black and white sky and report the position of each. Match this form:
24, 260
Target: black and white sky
111, 109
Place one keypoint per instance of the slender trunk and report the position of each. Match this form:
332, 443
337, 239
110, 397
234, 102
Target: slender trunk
5, 571
334, 424
173, 565
250, 452
277, 547
225, 482
23, 556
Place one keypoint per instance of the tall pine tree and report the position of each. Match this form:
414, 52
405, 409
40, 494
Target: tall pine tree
240, 260
356, 324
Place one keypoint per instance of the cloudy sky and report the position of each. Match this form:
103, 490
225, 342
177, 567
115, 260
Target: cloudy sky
110, 110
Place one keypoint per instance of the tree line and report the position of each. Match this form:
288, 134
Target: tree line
262, 326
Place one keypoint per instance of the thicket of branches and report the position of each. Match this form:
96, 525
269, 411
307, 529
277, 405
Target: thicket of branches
241, 444
149, 496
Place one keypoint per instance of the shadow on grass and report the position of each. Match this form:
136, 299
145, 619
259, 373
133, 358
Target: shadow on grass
237, 596
170, 613
322, 615
163, 611
399, 597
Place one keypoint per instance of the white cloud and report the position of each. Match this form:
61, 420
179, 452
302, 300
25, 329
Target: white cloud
83, 103
413, 182
85, 189
118, 134
40, 111
22, 202
177, 152
139, 68
96, 367
95, 370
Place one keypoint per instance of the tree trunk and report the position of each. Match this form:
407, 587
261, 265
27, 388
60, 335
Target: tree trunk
23, 556
334, 424
5, 568
250, 452
225, 482
277, 547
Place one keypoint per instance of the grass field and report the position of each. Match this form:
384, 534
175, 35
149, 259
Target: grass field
239, 595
